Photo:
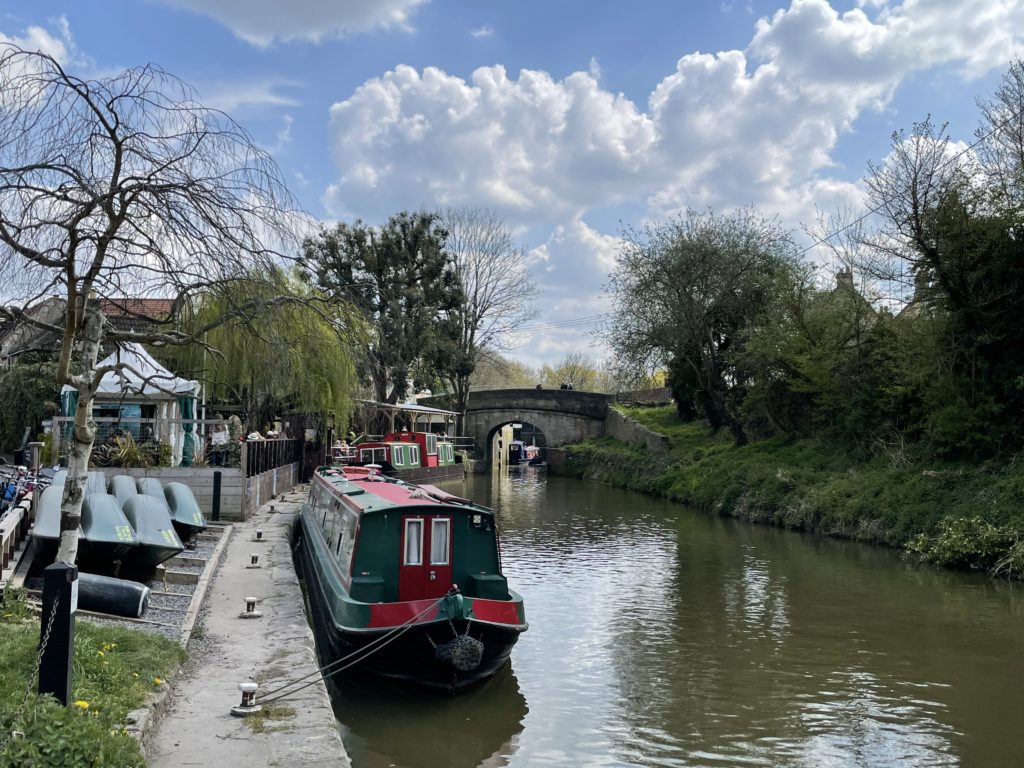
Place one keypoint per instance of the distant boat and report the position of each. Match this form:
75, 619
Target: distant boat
396, 452
381, 560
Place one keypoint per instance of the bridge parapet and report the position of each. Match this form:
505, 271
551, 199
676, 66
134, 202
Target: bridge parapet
588, 404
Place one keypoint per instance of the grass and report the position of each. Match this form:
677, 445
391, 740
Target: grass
961, 515
257, 721
114, 671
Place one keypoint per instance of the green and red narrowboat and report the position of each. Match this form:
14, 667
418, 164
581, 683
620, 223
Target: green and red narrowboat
405, 581
398, 451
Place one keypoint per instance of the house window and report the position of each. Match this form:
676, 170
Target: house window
414, 541
440, 531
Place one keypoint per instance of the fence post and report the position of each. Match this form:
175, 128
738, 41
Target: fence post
215, 512
57, 630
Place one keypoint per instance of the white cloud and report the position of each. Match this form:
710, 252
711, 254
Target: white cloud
724, 129
35, 38
484, 31
238, 97
263, 22
758, 125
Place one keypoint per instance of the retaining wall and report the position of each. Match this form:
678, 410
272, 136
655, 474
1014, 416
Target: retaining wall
261, 488
626, 430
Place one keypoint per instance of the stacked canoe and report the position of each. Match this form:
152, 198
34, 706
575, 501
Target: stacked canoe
138, 523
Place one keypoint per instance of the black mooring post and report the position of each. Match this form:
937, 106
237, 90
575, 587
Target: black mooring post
216, 496
57, 630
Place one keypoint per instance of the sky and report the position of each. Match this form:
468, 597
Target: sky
572, 119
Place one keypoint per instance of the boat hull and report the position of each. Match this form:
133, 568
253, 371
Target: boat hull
405, 654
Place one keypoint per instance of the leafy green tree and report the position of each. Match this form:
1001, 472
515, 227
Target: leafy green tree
28, 394
297, 355
576, 370
691, 291
960, 241
401, 279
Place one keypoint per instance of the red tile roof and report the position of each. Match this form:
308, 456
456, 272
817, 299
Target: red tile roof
150, 309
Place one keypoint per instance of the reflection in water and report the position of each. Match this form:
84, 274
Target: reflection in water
756, 601
659, 636
386, 724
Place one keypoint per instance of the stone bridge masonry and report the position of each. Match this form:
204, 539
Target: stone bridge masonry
564, 416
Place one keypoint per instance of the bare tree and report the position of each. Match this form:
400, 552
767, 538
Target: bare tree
122, 186
498, 292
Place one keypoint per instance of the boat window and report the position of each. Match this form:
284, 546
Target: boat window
397, 456
414, 542
415, 451
431, 445
451, 452
331, 522
439, 537
347, 540
373, 455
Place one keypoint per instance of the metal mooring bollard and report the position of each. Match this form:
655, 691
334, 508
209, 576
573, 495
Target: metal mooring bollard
259, 534
248, 705
254, 560
250, 611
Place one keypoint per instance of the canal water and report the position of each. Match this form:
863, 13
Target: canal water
660, 636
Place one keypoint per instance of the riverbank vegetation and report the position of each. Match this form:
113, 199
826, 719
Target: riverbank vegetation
115, 670
883, 401
962, 514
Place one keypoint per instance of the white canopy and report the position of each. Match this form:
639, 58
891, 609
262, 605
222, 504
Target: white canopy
143, 376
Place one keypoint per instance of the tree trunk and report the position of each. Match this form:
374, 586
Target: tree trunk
84, 439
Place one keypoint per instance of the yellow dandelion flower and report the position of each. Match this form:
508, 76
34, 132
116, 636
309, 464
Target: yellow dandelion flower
158, 680
82, 704
100, 653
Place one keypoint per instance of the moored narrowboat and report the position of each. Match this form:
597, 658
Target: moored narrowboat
405, 581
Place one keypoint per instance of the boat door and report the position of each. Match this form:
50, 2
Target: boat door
426, 569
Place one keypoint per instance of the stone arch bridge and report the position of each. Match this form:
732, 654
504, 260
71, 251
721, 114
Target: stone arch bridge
564, 416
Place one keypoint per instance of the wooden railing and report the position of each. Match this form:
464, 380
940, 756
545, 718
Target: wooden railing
259, 456
13, 530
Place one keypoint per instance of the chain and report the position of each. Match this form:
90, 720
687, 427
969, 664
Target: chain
33, 680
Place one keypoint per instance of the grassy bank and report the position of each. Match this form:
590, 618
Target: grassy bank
964, 516
114, 671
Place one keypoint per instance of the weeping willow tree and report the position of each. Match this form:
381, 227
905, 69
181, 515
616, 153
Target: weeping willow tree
297, 354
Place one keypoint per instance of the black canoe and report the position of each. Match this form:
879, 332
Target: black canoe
185, 512
106, 533
123, 487
158, 540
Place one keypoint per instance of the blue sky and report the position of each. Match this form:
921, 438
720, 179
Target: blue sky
567, 117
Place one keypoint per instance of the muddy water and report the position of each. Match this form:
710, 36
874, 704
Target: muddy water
662, 636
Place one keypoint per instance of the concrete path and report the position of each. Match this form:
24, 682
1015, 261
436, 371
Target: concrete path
198, 729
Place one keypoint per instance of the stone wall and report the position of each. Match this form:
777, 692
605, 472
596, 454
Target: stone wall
626, 430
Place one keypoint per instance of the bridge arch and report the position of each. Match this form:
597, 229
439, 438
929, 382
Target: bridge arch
564, 416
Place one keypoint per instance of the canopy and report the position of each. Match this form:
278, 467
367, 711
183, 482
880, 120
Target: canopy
143, 376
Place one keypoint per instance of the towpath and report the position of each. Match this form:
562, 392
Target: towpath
197, 728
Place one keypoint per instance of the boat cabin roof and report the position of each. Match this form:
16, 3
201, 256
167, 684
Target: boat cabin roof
377, 493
